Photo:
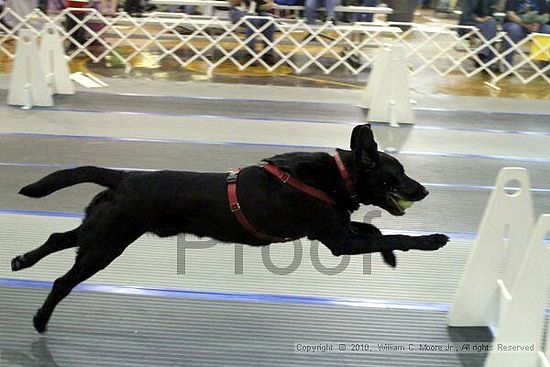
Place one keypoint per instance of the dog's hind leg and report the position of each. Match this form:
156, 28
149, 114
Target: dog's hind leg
85, 266
56, 242
102, 239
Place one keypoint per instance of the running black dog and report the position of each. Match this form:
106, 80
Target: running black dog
290, 196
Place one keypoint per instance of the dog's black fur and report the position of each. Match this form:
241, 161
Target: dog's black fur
167, 203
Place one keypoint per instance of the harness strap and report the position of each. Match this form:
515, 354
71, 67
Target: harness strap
285, 178
291, 181
348, 182
235, 208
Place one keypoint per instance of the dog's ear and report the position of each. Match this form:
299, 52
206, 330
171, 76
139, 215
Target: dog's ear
363, 146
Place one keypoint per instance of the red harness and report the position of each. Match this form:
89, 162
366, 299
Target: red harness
285, 178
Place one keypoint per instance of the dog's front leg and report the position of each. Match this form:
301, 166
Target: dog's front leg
367, 228
364, 228
349, 242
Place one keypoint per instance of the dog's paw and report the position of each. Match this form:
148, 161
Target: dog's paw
40, 321
389, 258
433, 242
17, 263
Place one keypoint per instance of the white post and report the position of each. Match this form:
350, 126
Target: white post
377, 74
387, 95
523, 320
28, 80
55, 62
483, 294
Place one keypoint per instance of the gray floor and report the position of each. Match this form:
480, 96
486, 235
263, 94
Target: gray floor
289, 111
456, 154
147, 331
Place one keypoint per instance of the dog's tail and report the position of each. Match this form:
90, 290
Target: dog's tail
58, 180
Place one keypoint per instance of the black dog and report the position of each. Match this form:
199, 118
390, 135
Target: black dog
167, 203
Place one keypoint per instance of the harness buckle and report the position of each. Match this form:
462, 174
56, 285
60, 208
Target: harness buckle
285, 177
232, 176
235, 207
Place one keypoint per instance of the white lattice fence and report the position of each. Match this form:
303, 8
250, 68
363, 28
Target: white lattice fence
213, 41
443, 50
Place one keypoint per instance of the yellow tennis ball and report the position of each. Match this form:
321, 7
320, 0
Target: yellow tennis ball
405, 204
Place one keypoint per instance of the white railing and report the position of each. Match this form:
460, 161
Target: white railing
297, 45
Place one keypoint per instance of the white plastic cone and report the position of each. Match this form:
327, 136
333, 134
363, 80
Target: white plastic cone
56, 65
28, 85
387, 95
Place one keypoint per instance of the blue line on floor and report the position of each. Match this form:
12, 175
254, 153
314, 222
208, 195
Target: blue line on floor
479, 130
476, 187
42, 213
162, 140
290, 119
234, 296
456, 236
301, 103
37, 165
66, 166
231, 99
513, 113
198, 116
482, 156
288, 146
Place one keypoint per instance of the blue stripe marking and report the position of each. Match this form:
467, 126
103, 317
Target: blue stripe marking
476, 187
464, 155
234, 296
37, 165
41, 213
65, 166
289, 146
457, 236
467, 236
232, 99
252, 100
481, 130
199, 116
170, 141
513, 113
290, 119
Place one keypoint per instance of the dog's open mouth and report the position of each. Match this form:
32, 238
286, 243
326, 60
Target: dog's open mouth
393, 204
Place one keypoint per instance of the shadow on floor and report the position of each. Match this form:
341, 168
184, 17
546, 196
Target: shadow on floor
39, 356
467, 336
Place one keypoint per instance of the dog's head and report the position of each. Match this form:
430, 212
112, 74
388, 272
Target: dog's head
381, 179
